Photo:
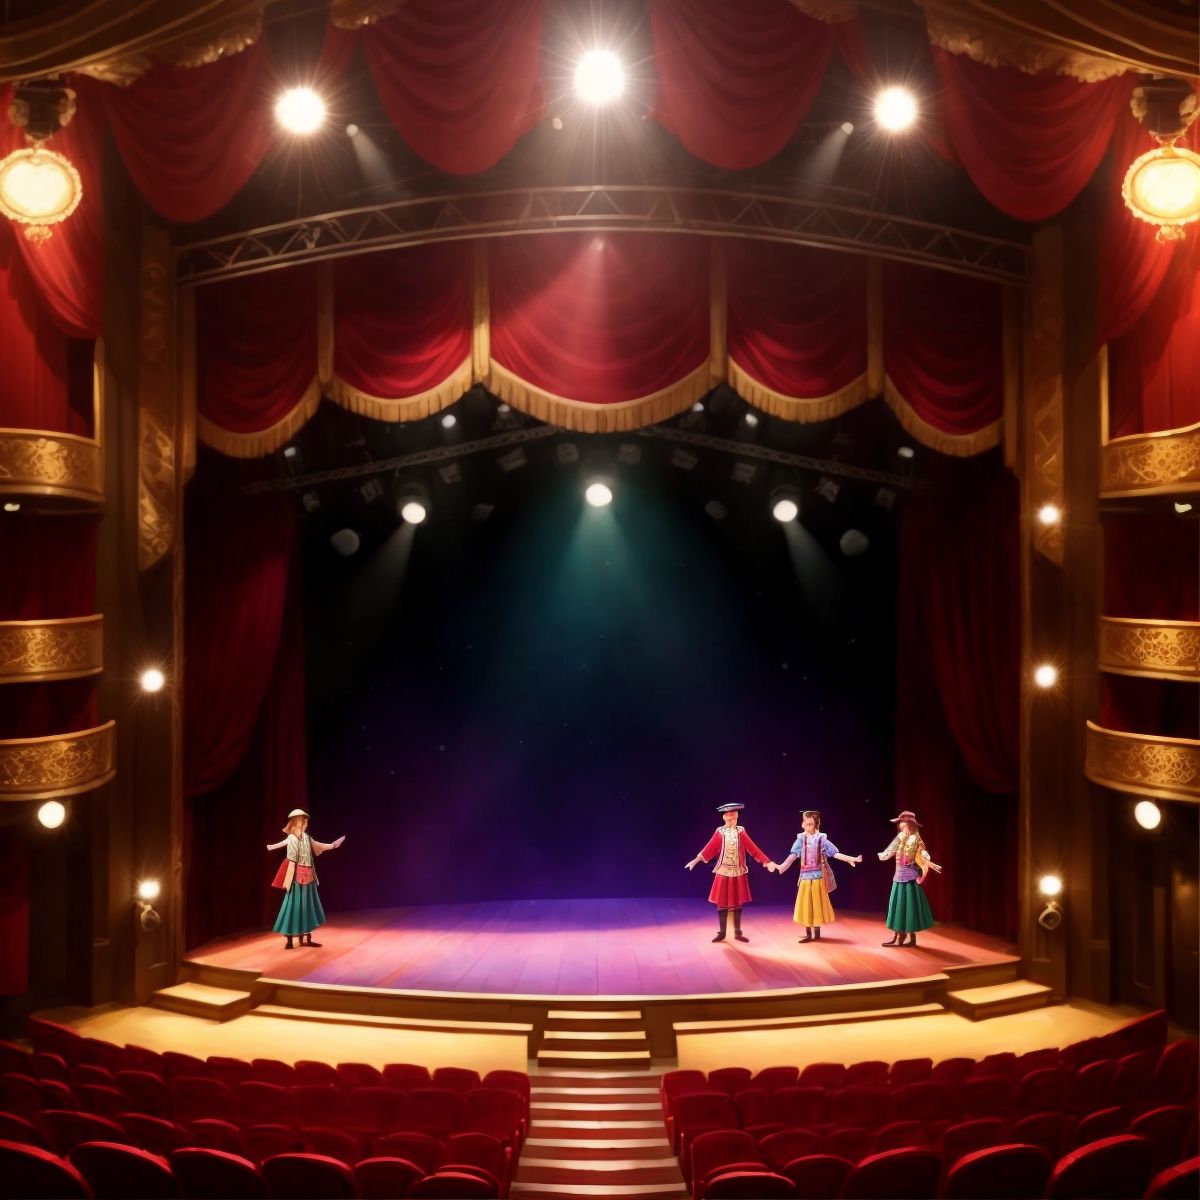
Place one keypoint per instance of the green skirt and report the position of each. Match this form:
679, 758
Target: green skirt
908, 908
301, 910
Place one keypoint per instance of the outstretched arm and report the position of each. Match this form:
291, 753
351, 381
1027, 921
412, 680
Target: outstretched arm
890, 852
321, 847
846, 858
713, 848
277, 845
783, 866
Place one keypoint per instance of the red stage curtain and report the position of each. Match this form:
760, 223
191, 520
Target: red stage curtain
958, 691
460, 79
599, 331
942, 356
1151, 568
1029, 142
1154, 368
256, 350
735, 80
402, 330
797, 329
239, 559
191, 137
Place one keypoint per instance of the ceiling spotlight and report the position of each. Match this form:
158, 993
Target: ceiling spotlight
52, 814
1147, 814
698, 406
854, 543
1049, 514
513, 460
1050, 885
556, 123
152, 680
15, 506
716, 510
450, 473
290, 452
352, 130
599, 77
895, 109
885, 498
449, 421
414, 512
629, 454
566, 453
38, 188
751, 419
300, 110
743, 472
481, 511
1162, 187
371, 490
346, 542
149, 889
905, 451
1180, 507
503, 408
827, 489
784, 507
847, 127
598, 494
311, 501
1046, 675
685, 460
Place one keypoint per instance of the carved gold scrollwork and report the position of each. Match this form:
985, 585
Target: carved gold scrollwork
158, 437
1152, 463
1160, 649
1044, 389
1168, 768
36, 462
67, 648
60, 765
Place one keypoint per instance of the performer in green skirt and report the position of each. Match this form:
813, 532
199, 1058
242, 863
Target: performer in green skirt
908, 906
301, 911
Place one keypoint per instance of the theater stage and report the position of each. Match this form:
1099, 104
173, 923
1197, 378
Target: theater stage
635, 967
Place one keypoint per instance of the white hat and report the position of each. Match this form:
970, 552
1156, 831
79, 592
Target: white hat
296, 812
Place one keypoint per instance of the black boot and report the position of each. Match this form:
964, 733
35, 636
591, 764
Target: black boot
816, 933
737, 926
308, 940
288, 944
912, 939
808, 937
896, 941
723, 917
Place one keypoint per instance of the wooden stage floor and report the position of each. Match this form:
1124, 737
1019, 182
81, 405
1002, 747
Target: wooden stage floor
600, 948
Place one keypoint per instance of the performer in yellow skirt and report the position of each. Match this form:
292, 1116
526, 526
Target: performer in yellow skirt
814, 850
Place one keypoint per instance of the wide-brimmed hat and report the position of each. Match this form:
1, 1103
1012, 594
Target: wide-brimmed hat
906, 815
724, 808
296, 812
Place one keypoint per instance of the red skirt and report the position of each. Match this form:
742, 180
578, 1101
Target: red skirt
303, 874
730, 891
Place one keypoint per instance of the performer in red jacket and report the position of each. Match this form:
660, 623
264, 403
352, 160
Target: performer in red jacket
730, 889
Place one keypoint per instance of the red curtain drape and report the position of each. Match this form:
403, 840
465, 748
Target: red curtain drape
402, 329
735, 80
191, 137
460, 79
808, 342
256, 350
943, 356
1151, 568
1028, 142
618, 323
957, 702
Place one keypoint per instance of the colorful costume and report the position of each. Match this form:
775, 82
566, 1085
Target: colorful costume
812, 851
908, 906
729, 845
301, 910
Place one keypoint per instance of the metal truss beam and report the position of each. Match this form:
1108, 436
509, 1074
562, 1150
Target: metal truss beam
755, 215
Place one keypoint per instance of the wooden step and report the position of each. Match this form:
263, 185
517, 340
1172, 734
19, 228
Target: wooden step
639, 1148
594, 1039
438, 1025
570, 1019
577, 1059
603, 1132
203, 1000
801, 1020
561, 1077
607, 1170
998, 1000
635, 1191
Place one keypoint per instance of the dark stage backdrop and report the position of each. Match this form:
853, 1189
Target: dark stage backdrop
551, 703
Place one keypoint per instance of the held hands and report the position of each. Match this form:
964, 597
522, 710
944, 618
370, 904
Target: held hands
854, 861
774, 868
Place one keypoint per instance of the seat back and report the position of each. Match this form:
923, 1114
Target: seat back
308, 1177
770, 1079
1103, 1123
998, 1171
64, 1129
1112, 1169
385, 1178
358, 1075
873, 1073
271, 1070
267, 1141
895, 1175
1132, 1080
969, 1136
406, 1076
420, 1148
799, 1107
215, 1134
910, 1070
924, 1100
156, 1134
822, 1075
314, 1074
729, 1080
1168, 1129
1042, 1090
1176, 1072
749, 1185
262, 1103
373, 1109
779, 1149
818, 1176
850, 1142
20, 1130
145, 1093
203, 1174
454, 1185
720, 1146
478, 1149
492, 1110
337, 1144
195, 1096
896, 1135
954, 1070
438, 1111
123, 1172
36, 1173
456, 1079
1045, 1129
1180, 1182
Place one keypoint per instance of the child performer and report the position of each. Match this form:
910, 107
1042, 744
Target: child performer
908, 907
814, 850
301, 911
730, 889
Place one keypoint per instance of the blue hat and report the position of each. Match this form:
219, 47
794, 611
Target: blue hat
724, 808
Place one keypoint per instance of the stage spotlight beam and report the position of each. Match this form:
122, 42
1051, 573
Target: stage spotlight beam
895, 109
598, 494
300, 110
785, 509
599, 78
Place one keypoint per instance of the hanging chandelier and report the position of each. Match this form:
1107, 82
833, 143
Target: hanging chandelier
39, 187
1162, 186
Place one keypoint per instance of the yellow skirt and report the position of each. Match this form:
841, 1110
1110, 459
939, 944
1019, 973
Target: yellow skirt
812, 904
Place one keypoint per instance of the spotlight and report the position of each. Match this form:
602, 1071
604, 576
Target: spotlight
685, 460
346, 542
371, 490
847, 127
414, 512
352, 130
38, 188
149, 889
300, 110
785, 509
503, 408
451, 473
895, 109
750, 419
556, 123
598, 494
854, 543
1051, 916
449, 421
1050, 886
14, 506
599, 77
152, 680
566, 454
743, 472
905, 451
290, 452
1147, 814
698, 406
629, 454
885, 498
1046, 675
52, 814
1181, 507
827, 489
716, 510
147, 892
514, 460
311, 501
1049, 514
1162, 187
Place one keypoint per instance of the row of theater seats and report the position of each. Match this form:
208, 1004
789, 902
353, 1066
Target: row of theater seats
110, 1171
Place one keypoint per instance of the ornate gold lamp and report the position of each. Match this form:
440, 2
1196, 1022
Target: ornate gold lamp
1162, 187
39, 187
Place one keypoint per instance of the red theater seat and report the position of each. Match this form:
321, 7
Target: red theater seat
868, 1107
332, 1143
897, 1135
755, 1111
713, 1151
139, 1058
45, 1065
29, 1171
86, 1074
266, 1141
64, 1129
779, 1149
818, 1176
1181, 1182
315, 1074
457, 1079
511, 1081
749, 1185
373, 1109
1133, 1081
230, 1071
849, 1142
677, 1083
184, 1066
1113, 1169
214, 1134
1175, 1077
1003, 1064
895, 1175
271, 1070
910, 1070
262, 1103
20, 1094
799, 1107
116, 1172
196, 1096
1169, 1130
771, 1079
454, 1185
969, 1136
822, 1075
1047, 1129
308, 1177
20, 1130
13, 1058
1009, 1172
319, 1104
872, 1074
214, 1175
1104, 1123
953, 1070
991, 1096
155, 1134
406, 1076
1085, 1089
419, 1148
385, 1178
491, 1110
353, 1075
729, 1080
1042, 1090
50, 1035
145, 1093
105, 1101
698, 1112
479, 1150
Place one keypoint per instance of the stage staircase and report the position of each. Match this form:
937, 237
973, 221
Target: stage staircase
588, 1039
597, 1132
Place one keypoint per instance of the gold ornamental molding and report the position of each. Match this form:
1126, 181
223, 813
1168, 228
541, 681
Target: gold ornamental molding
67, 648
1158, 649
1146, 765
36, 462
1146, 464
63, 764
